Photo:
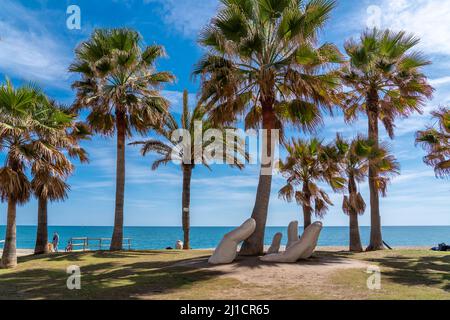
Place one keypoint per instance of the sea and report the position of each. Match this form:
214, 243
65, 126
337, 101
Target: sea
154, 238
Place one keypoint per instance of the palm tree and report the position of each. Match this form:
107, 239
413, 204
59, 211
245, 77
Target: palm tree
25, 118
263, 63
191, 152
386, 81
120, 86
307, 164
354, 157
49, 175
436, 141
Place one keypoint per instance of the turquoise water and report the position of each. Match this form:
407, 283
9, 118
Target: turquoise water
208, 237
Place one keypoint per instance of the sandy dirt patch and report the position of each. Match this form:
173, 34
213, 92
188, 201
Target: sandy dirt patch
250, 270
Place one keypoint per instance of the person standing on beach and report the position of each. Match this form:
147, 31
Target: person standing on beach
55, 241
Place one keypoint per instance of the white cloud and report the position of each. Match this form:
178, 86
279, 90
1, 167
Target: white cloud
440, 81
27, 48
426, 18
187, 16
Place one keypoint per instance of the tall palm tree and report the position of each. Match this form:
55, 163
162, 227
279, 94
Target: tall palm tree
307, 164
25, 118
354, 157
386, 82
263, 63
120, 86
191, 151
49, 175
436, 141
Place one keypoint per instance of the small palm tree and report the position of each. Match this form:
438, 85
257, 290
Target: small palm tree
307, 164
25, 118
263, 64
120, 86
49, 175
190, 151
386, 82
354, 157
436, 141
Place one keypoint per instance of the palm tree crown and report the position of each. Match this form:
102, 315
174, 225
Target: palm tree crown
119, 81
262, 55
436, 141
385, 77
309, 163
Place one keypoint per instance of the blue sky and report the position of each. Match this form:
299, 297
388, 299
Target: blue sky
36, 45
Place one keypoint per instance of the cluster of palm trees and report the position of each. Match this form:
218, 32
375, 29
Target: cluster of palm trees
38, 135
263, 65
341, 164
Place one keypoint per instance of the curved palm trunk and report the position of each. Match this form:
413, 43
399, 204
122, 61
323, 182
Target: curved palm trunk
376, 240
186, 205
41, 246
117, 238
355, 238
254, 245
9, 257
306, 207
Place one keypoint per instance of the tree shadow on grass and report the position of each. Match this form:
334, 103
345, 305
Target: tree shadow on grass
102, 281
409, 269
103, 254
429, 270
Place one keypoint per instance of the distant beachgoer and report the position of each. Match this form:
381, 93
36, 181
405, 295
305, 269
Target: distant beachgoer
179, 245
55, 241
50, 247
69, 247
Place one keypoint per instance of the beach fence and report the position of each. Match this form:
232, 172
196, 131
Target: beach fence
87, 244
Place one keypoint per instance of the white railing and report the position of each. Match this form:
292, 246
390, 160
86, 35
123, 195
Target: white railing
85, 243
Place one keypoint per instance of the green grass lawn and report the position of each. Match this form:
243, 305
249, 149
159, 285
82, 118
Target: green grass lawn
406, 274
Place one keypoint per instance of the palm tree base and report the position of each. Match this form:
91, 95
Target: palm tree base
375, 248
251, 250
10, 265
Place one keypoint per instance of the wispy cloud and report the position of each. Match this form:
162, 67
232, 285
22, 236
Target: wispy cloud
27, 49
187, 17
427, 19
440, 81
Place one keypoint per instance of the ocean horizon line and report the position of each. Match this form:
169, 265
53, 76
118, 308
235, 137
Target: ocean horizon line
219, 226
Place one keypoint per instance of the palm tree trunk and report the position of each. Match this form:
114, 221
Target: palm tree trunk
355, 239
186, 205
117, 238
306, 206
41, 246
254, 245
9, 257
376, 240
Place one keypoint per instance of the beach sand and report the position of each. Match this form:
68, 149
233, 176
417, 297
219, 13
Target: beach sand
22, 252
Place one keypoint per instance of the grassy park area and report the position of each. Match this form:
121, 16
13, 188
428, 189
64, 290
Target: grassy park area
330, 274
